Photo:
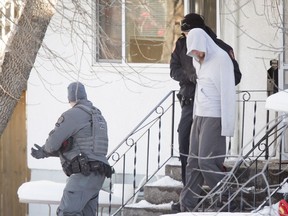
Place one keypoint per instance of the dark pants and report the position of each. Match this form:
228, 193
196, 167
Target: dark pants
184, 129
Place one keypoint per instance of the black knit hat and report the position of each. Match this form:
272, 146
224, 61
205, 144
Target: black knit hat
191, 21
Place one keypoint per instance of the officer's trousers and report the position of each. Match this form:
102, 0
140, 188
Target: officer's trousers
80, 196
184, 129
205, 162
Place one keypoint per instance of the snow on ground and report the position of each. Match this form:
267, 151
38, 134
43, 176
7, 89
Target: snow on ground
42, 191
145, 204
49, 192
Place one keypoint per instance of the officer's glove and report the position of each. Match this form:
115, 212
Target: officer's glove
38, 152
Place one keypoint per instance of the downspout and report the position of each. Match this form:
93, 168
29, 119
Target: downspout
237, 54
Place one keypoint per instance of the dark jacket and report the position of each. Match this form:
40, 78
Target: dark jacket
182, 69
229, 50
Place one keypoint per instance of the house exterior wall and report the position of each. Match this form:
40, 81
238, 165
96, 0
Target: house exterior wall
125, 97
253, 30
124, 93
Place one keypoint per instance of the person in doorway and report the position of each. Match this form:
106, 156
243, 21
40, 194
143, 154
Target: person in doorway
80, 140
214, 116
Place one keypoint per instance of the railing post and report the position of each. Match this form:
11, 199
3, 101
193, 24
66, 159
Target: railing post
159, 142
267, 148
173, 124
147, 160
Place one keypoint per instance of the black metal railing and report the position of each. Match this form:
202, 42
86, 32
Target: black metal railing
154, 139
251, 169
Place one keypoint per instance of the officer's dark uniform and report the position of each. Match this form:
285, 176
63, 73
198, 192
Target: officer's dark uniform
83, 156
182, 70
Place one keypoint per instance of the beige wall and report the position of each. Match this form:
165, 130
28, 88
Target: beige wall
13, 162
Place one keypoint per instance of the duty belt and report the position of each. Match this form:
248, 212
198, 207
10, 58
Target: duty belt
101, 168
186, 101
81, 165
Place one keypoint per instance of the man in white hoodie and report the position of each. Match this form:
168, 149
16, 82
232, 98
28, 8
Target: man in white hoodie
214, 116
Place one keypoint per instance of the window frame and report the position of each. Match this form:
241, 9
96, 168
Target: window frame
96, 62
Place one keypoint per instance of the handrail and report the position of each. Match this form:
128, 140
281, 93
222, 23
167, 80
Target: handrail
137, 127
149, 134
229, 180
145, 130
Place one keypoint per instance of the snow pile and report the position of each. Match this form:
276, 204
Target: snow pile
166, 181
145, 204
49, 192
41, 191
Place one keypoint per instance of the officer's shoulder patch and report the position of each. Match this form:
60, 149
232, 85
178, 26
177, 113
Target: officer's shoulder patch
59, 121
51, 132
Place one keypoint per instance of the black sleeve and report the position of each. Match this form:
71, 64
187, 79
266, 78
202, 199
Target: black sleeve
229, 50
237, 72
176, 70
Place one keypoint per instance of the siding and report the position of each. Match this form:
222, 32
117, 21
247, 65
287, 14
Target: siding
13, 162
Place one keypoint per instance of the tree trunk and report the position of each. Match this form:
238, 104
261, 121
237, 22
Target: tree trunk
21, 54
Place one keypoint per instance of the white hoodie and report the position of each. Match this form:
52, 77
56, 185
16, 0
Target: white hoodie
215, 91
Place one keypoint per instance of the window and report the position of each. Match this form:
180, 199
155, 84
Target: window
147, 36
207, 8
143, 31
109, 30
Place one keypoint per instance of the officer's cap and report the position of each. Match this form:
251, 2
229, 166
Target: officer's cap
192, 20
76, 92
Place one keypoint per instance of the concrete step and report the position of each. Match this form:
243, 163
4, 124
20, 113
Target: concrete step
167, 190
144, 208
173, 169
164, 190
159, 195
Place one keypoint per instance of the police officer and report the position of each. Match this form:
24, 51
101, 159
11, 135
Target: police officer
80, 140
183, 71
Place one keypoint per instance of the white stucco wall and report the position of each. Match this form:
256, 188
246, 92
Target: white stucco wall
252, 29
126, 97
123, 108
122, 101
124, 93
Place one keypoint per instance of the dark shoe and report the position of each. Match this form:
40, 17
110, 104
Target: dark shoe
175, 207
